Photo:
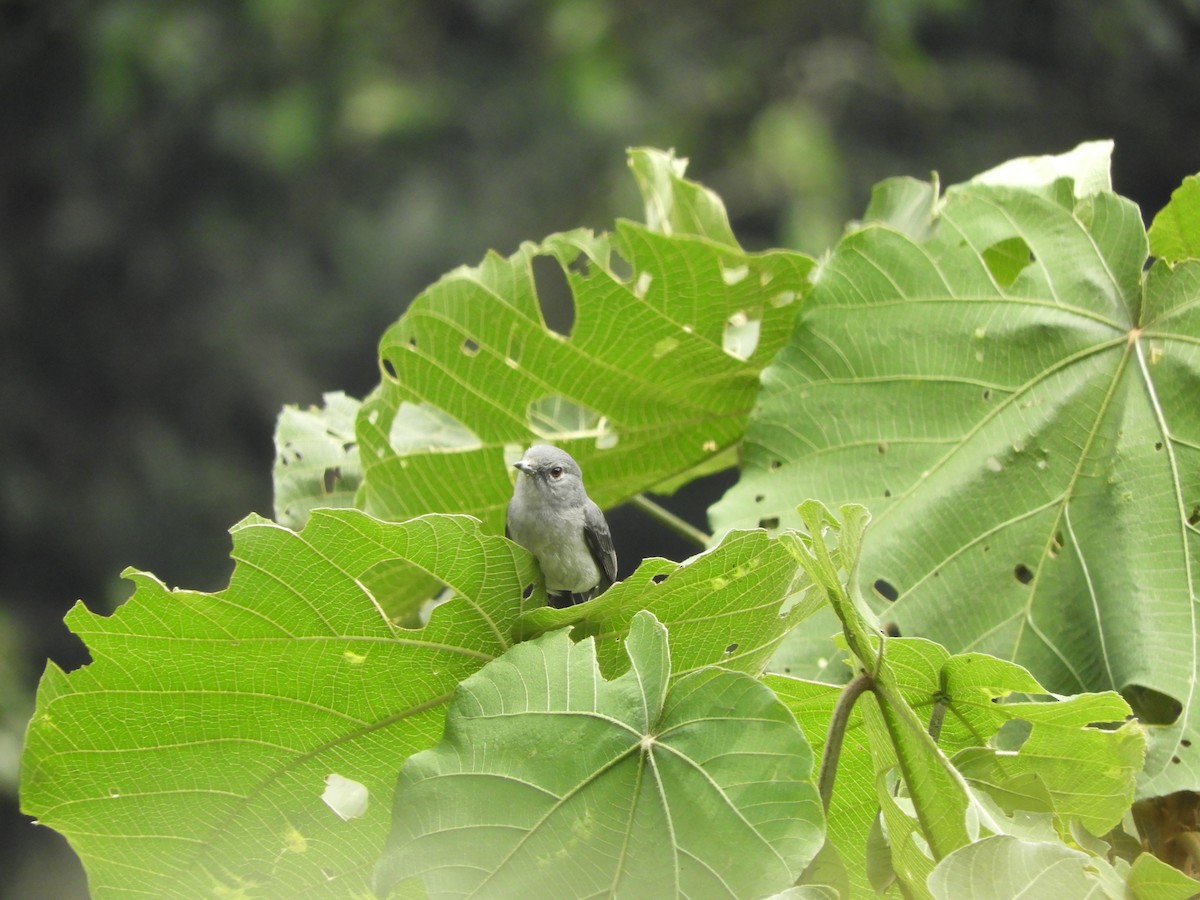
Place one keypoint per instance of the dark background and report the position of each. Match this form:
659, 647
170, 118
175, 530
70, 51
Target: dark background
211, 209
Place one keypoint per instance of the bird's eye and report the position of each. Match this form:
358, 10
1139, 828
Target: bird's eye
556, 472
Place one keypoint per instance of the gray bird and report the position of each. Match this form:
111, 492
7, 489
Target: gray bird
551, 516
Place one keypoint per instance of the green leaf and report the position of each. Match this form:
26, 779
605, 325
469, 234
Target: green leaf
729, 606
1028, 441
1087, 168
1078, 753
316, 459
1152, 879
1175, 231
675, 205
552, 781
190, 757
1005, 868
656, 378
1078, 766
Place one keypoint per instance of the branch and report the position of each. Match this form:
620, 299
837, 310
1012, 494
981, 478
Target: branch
837, 732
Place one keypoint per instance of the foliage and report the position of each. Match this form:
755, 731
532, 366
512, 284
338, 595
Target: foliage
947, 347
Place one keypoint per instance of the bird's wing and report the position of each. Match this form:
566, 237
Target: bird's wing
599, 541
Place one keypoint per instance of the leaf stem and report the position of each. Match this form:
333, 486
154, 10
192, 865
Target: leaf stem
837, 732
684, 529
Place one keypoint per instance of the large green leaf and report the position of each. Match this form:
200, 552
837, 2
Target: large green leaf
553, 782
190, 757
672, 326
1015, 399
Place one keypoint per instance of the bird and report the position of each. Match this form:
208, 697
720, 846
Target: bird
551, 516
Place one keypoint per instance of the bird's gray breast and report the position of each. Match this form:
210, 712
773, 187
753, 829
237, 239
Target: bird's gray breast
556, 539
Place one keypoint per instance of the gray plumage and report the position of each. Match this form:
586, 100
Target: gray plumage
552, 517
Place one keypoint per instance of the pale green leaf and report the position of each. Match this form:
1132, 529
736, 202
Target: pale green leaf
1152, 879
316, 459
1026, 437
1175, 231
675, 205
729, 606
1083, 767
1087, 166
554, 782
1007, 868
192, 757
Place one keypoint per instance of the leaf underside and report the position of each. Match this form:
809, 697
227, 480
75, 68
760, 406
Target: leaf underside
1015, 399
552, 781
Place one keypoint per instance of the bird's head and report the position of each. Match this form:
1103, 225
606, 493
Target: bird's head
550, 472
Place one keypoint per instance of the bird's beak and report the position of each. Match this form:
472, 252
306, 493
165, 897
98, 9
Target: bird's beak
523, 467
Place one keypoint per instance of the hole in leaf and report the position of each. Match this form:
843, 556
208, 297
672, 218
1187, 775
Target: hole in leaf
1158, 445
1150, 706
1022, 573
412, 343
388, 369
659, 578
553, 295
528, 592
1012, 735
1176, 759
732, 275
742, 331
512, 353
1007, 259
1194, 518
886, 589
579, 265
470, 347
769, 522
619, 266
1056, 545
346, 797
1185, 743
731, 647
987, 394
556, 419
423, 426
331, 476
891, 629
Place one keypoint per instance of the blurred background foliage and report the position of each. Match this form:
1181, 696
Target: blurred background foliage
210, 209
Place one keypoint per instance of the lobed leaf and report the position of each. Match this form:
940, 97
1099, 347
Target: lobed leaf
1014, 398
552, 781
190, 757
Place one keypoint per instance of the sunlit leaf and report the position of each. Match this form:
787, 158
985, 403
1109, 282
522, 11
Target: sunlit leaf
672, 324
194, 756
730, 606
